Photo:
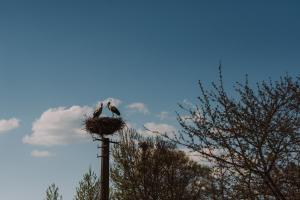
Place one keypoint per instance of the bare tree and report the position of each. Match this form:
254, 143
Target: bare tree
253, 136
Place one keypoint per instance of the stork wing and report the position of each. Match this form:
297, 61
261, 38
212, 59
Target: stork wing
115, 110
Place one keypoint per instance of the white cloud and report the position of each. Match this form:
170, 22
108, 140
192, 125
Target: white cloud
58, 126
198, 157
41, 154
9, 124
131, 125
139, 107
195, 156
114, 101
164, 115
154, 128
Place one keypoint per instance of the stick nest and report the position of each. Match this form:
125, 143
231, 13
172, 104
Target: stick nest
103, 125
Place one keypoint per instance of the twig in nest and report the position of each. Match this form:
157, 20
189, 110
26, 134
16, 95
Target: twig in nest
103, 125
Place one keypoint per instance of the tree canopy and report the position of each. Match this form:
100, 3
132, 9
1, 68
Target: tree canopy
88, 188
154, 169
52, 193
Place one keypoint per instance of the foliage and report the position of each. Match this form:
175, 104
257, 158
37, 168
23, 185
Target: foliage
88, 188
154, 169
252, 139
52, 193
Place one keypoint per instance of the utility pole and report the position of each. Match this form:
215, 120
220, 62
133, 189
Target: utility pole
104, 169
99, 128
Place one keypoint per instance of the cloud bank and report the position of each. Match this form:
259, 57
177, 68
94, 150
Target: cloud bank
9, 124
59, 126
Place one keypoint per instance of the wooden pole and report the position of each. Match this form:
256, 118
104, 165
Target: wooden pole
105, 170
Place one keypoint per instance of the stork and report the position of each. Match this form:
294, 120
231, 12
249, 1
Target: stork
98, 112
113, 109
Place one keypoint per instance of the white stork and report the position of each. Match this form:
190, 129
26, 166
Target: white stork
98, 111
113, 109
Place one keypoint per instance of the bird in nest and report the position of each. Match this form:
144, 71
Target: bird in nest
113, 109
98, 111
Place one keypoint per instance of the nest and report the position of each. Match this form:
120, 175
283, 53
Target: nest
103, 125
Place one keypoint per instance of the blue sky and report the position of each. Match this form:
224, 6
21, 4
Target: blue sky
58, 59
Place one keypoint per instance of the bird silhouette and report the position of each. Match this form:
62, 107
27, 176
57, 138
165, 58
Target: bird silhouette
98, 111
113, 109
